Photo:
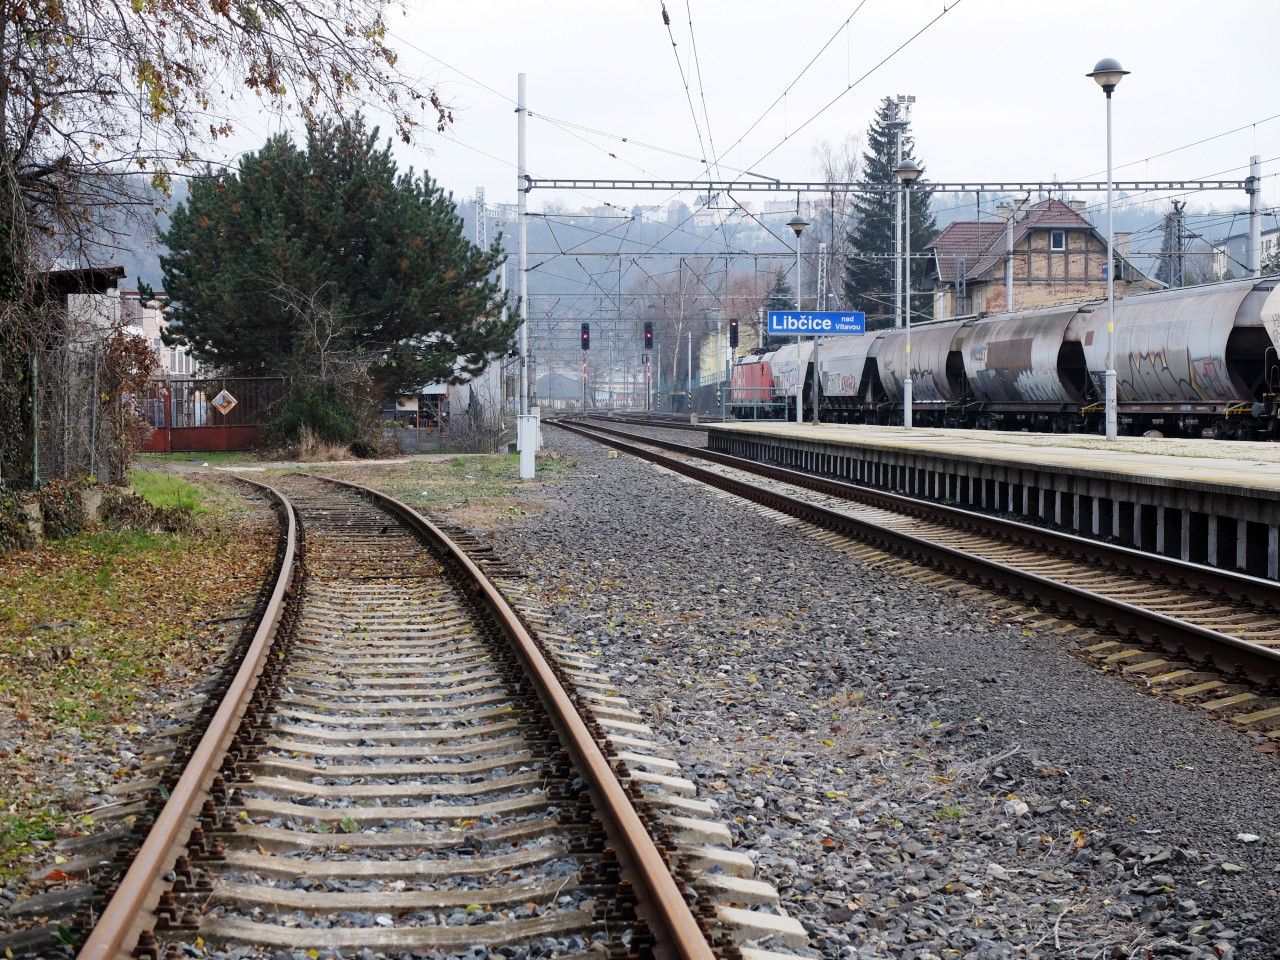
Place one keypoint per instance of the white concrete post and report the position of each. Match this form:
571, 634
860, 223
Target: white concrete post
527, 440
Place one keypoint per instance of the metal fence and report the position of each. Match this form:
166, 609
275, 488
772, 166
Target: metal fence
77, 426
183, 403
186, 415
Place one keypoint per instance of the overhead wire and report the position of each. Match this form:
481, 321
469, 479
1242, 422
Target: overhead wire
702, 90
1185, 146
853, 84
803, 70
675, 52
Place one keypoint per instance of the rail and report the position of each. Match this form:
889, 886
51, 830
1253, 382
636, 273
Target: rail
660, 902
1261, 663
127, 920
126, 926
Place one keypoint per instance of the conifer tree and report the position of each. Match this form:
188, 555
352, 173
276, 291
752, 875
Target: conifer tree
329, 250
779, 297
868, 282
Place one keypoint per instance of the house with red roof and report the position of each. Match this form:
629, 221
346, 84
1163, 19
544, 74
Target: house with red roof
1057, 256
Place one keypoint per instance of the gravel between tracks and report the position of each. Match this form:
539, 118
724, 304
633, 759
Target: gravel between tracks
919, 778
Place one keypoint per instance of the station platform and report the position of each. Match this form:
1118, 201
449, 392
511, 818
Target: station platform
1207, 501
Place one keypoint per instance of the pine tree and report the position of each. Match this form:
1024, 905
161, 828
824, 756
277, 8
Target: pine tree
868, 283
329, 247
779, 297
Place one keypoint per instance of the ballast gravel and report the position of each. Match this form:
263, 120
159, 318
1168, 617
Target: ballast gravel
918, 777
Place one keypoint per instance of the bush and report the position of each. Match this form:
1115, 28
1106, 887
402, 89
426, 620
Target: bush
62, 507
364, 448
125, 510
15, 534
317, 409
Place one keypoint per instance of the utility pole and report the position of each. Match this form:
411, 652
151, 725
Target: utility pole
482, 221
526, 424
797, 225
689, 381
897, 219
655, 383
901, 120
1008, 259
822, 276
1254, 188
522, 199
722, 346
1171, 246
502, 379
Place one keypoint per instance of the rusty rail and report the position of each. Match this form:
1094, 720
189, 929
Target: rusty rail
660, 902
127, 921
1228, 583
1260, 663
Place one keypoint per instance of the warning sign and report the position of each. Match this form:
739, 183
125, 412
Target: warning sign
224, 402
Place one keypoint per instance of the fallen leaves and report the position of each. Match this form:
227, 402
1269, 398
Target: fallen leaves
90, 626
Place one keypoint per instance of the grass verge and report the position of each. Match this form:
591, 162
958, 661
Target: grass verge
169, 491
214, 459
93, 625
474, 490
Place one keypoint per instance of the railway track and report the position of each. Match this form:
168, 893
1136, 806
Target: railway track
402, 767
1189, 616
673, 422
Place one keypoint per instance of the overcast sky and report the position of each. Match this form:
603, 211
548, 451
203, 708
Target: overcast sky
1000, 87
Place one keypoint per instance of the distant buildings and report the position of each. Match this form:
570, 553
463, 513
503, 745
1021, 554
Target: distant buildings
96, 306
1231, 256
1058, 257
149, 320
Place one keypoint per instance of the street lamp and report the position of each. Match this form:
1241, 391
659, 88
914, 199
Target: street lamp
797, 225
1108, 73
907, 171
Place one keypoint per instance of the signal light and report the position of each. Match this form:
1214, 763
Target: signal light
586, 336
733, 334
648, 334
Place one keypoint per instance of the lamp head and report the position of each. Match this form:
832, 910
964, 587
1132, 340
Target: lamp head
1108, 74
908, 171
797, 224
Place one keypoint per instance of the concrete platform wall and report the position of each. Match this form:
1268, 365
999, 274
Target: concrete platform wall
1234, 530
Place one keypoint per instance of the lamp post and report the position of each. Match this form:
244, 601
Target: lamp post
1108, 73
797, 225
907, 171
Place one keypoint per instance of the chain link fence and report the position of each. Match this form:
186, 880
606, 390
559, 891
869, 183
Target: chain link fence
77, 423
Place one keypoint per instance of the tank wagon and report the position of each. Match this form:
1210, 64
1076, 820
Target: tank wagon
1197, 361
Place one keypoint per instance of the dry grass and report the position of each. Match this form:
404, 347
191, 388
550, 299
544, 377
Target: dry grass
476, 491
312, 449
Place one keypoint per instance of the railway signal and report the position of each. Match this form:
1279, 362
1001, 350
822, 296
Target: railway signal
733, 334
586, 336
648, 334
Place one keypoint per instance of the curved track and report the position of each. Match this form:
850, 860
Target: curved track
1201, 614
396, 768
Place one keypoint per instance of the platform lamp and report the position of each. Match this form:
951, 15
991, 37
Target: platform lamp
1108, 73
797, 225
908, 171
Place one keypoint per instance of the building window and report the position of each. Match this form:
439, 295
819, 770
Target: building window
1057, 239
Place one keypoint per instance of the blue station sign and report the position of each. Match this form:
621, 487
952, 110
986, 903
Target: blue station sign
813, 323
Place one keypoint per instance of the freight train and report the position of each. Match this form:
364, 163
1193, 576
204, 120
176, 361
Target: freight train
1196, 361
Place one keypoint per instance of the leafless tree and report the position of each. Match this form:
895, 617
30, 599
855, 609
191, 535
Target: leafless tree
834, 213
93, 92
687, 298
